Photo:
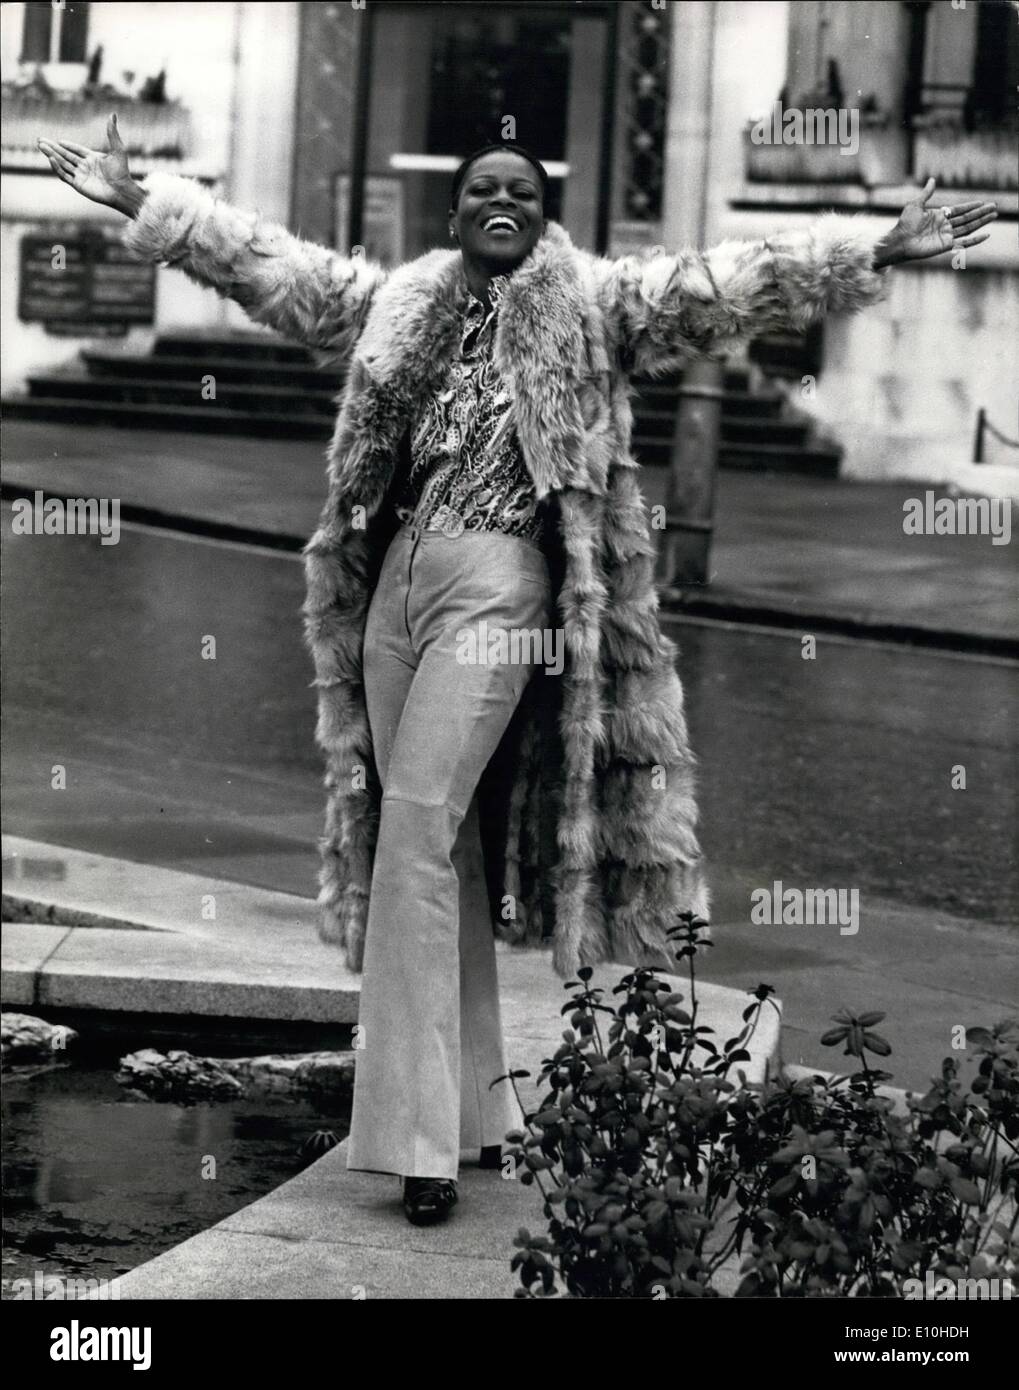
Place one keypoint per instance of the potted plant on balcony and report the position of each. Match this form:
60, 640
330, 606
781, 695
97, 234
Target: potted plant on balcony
160, 128
819, 139
960, 153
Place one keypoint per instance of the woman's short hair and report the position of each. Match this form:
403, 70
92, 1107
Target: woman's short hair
500, 147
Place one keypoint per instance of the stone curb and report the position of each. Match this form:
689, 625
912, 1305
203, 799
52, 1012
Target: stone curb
720, 604
261, 958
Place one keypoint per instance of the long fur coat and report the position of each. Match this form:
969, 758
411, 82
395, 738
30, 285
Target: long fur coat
588, 805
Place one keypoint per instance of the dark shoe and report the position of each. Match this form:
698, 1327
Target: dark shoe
428, 1200
491, 1156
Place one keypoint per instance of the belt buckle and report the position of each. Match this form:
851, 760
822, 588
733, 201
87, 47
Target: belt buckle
447, 521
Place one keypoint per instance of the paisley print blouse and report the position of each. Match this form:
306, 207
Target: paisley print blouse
467, 471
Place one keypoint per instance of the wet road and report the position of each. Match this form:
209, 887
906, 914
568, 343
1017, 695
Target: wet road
835, 772
828, 770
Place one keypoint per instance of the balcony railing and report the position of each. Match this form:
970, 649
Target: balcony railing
878, 159
960, 158
153, 131
942, 148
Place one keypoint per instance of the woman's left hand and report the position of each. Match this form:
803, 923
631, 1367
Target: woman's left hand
923, 231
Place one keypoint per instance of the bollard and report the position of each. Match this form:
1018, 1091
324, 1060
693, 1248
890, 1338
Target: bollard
684, 554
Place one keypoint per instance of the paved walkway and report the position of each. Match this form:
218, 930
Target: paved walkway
786, 550
107, 934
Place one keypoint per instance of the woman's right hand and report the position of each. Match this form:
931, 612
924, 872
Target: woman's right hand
100, 177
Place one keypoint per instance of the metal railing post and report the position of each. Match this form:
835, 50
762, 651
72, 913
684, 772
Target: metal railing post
978, 443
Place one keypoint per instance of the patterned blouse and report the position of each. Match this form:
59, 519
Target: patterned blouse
467, 472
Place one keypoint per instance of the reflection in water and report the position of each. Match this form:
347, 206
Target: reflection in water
96, 1181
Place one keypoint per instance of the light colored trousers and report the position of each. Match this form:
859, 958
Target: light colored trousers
430, 1028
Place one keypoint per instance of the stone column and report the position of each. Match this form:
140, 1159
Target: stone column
688, 131
263, 125
583, 129
326, 78
265, 107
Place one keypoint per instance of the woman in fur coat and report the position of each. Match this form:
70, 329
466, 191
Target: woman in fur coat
505, 745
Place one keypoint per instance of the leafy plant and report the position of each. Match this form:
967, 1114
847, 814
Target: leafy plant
658, 1163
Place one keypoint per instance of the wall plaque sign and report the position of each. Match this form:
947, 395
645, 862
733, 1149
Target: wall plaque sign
84, 283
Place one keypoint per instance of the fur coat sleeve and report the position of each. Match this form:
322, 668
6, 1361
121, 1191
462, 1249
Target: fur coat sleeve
308, 293
670, 308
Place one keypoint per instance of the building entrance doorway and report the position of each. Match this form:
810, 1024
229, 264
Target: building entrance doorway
439, 80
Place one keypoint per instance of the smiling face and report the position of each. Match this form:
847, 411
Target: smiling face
499, 218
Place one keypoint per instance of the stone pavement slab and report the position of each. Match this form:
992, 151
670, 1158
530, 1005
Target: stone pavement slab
794, 550
331, 1233
260, 958
140, 972
352, 1240
83, 889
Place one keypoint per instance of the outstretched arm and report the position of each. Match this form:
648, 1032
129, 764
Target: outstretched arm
922, 231
667, 309
304, 291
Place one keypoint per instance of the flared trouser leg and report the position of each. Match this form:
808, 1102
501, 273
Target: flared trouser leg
486, 1111
430, 1039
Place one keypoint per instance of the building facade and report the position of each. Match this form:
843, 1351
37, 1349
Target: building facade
344, 120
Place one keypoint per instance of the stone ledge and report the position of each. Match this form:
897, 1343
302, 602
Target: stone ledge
882, 199
129, 937
76, 888
260, 958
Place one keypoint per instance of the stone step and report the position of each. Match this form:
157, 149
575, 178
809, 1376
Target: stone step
665, 387
816, 462
78, 411
269, 420
216, 357
651, 400
257, 347
137, 390
744, 404
787, 357
272, 389
272, 398
263, 372
252, 346
735, 429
